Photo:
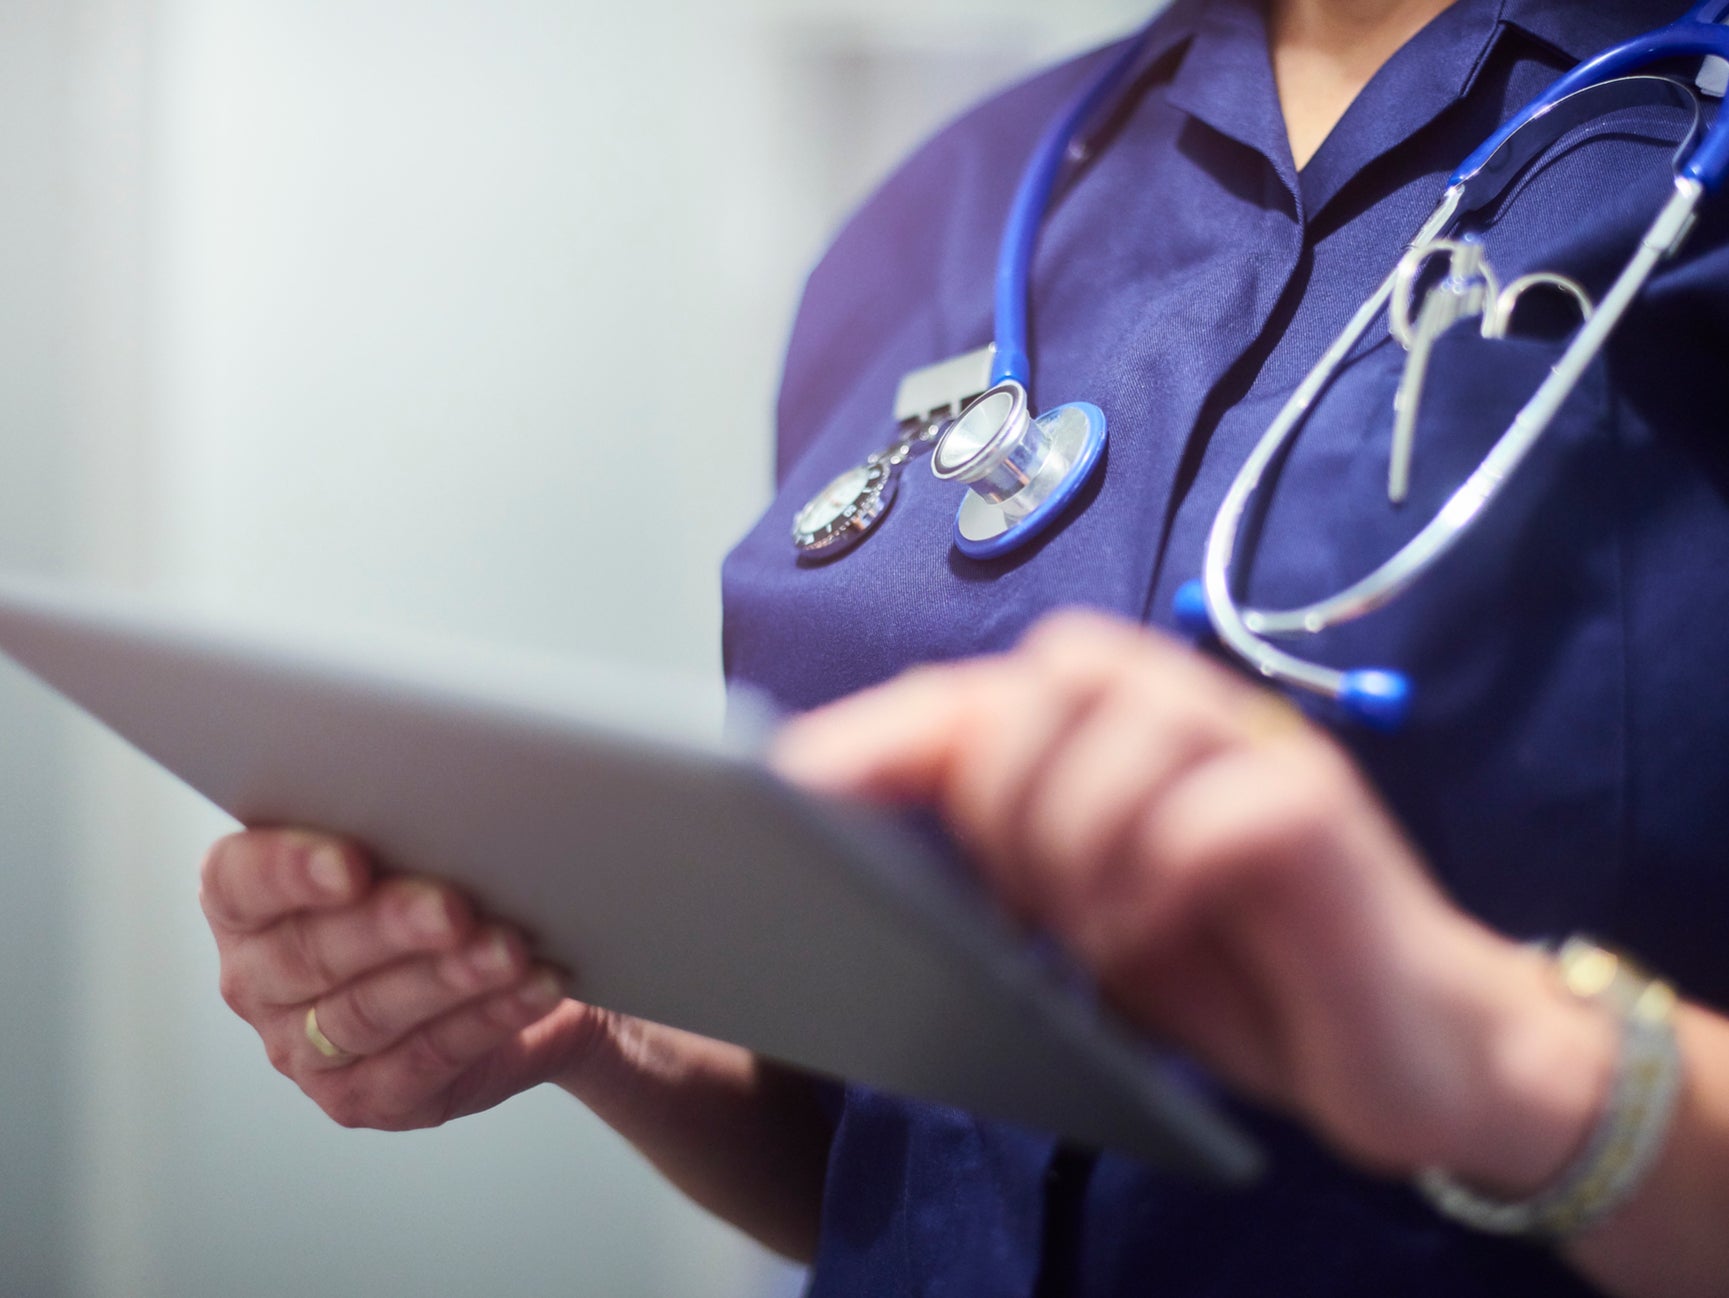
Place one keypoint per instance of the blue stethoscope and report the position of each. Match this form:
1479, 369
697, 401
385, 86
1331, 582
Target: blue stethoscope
1023, 471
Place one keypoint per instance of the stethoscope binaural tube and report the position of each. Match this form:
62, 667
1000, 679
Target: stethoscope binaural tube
1381, 697
1700, 32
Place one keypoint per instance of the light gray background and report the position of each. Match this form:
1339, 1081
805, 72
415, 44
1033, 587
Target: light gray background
443, 315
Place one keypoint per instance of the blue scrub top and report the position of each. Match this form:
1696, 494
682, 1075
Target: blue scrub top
1563, 768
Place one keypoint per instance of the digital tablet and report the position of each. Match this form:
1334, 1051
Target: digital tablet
684, 881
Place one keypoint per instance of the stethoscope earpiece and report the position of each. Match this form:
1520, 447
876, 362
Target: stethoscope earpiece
1189, 610
1376, 698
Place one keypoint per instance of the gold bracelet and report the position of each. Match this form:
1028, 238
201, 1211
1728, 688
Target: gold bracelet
1629, 1133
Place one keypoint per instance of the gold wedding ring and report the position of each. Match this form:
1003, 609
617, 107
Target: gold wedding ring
321, 1043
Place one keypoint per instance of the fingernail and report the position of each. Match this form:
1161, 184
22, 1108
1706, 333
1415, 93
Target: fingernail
493, 958
328, 870
428, 912
544, 990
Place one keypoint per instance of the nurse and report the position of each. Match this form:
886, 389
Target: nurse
1336, 924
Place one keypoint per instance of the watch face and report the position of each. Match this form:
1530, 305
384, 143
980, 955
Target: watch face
838, 517
829, 505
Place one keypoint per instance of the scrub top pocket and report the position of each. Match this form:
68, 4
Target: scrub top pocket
1513, 640
1328, 522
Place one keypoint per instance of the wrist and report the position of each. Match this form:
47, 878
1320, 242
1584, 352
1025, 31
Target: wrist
1627, 1134
1544, 1069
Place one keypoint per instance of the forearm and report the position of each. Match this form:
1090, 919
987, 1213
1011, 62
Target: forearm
746, 1139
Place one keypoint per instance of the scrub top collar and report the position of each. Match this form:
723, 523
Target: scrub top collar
1425, 78
1224, 80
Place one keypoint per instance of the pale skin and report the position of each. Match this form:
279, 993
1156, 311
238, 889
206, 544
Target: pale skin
1325, 51
1232, 881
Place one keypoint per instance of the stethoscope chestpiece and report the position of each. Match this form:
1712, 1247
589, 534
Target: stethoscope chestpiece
1022, 471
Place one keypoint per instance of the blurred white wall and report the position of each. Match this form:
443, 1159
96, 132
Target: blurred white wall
38, 998
452, 316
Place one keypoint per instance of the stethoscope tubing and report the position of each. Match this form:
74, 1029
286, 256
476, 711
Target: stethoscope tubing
1026, 509
1020, 237
1003, 468
1241, 628
1699, 32
1378, 696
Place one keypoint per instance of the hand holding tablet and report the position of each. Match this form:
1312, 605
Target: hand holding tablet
686, 883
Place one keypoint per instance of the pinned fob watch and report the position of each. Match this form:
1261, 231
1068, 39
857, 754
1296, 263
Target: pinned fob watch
842, 514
